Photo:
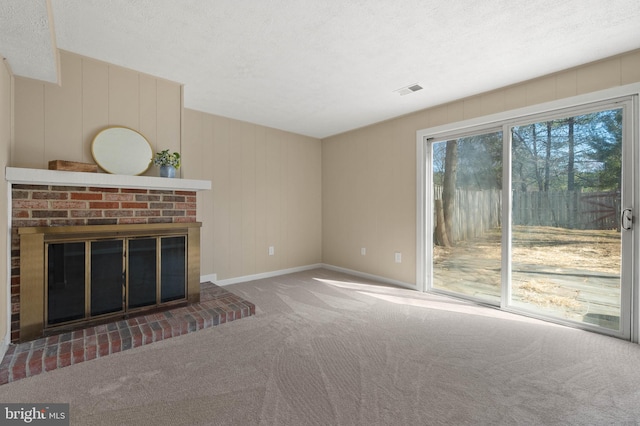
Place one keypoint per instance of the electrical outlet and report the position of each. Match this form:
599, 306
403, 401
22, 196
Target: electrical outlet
398, 257
272, 250
363, 251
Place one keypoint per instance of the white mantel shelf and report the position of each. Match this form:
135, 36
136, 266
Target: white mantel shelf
103, 180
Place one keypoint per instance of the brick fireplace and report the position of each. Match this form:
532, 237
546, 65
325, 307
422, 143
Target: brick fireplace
43, 198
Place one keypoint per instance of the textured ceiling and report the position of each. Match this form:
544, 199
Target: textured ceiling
320, 68
26, 39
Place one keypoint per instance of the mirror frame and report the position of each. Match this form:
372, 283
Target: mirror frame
113, 145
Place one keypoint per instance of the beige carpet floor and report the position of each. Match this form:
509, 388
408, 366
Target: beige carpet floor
326, 348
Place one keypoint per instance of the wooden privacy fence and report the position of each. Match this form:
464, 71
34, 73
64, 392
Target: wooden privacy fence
567, 209
476, 212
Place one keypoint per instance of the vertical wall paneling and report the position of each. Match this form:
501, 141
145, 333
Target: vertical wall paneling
27, 148
234, 199
472, 107
493, 102
168, 116
291, 181
249, 182
221, 194
273, 198
440, 115
309, 173
59, 122
514, 97
540, 90
147, 108
206, 205
63, 114
566, 84
630, 67
260, 204
95, 105
192, 149
599, 75
265, 192
124, 97
380, 244
287, 206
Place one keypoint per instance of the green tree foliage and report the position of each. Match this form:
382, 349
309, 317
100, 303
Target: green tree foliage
573, 153
606, 150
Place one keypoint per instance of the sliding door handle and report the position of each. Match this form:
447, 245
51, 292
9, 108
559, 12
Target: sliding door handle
627, 219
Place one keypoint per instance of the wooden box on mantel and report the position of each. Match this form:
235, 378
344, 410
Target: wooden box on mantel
72, 166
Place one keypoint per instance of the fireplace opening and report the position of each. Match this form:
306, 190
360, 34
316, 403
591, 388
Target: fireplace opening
80, 275
122, 276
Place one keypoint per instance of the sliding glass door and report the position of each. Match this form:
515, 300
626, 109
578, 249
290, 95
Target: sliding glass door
539, 221
570, 188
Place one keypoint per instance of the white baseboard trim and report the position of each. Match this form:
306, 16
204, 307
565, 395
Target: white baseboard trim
211, 277
236, 280
370, 276
269, 274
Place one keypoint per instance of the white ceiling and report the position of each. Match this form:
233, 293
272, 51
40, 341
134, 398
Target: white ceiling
316, 67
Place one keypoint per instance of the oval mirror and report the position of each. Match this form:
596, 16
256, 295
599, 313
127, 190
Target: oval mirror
122, 151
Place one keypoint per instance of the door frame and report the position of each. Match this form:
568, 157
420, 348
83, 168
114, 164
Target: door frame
424, 195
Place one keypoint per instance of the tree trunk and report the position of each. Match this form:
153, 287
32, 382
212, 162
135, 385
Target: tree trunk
440, 232
547, 158
570, 162
449, 187
534, 135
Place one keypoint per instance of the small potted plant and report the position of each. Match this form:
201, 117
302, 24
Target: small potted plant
168, 162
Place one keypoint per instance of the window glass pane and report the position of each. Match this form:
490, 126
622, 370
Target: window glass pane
65, 282
142, 272
106, 276
173, 267
467, 188
566, 240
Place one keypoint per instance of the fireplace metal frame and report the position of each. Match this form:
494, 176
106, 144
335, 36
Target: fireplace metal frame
33, 267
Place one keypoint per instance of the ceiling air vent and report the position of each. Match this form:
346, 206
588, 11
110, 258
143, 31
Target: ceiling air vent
408, 89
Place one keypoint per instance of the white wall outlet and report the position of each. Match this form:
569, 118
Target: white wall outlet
272, 250
363, 251
398, 257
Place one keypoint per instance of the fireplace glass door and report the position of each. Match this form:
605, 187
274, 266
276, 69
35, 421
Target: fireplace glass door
66, 282
107, 277
173, 268
143, 272
90, 279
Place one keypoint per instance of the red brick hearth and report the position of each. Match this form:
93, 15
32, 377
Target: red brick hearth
216, 306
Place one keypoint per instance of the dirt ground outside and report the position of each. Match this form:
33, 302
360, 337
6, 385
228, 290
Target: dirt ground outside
545, 246
569, 273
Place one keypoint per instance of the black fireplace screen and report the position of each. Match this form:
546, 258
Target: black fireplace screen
173, 268
88, 279
107, 277
66, 283
143, 272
